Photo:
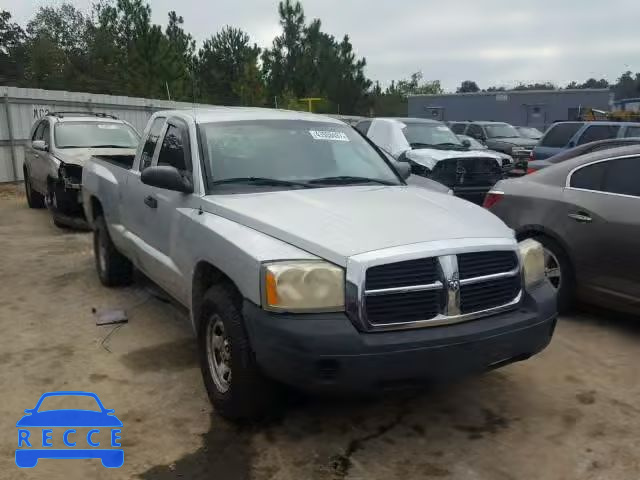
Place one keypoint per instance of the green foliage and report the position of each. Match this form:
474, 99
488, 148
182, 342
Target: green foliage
468, 86
305, 62
116, 49
227, 67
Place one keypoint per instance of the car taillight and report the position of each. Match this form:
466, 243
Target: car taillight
531, 170
492, 198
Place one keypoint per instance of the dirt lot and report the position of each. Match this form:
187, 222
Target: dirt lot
573, 412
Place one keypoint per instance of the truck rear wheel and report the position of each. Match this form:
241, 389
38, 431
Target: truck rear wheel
114, 269
237, 388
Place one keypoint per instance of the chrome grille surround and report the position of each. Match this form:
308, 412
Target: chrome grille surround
446, 252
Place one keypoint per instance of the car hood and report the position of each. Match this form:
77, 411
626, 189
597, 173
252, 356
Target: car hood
79, 156
516, 142
429, 157
69, 418
338, 222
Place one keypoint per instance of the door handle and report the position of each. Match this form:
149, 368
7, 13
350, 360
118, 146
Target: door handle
150, 202
581, 217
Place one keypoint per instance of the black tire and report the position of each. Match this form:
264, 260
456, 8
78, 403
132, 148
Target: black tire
114, 269
250, 394
34, 199
566, 290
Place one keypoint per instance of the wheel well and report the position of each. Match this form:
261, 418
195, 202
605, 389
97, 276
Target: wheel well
204, 277
96, 208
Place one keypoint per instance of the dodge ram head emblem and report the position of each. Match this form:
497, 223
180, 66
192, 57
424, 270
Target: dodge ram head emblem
453, 284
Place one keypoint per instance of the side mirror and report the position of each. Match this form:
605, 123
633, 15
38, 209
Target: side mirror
40, 145
403, 168
168, 178
466, 143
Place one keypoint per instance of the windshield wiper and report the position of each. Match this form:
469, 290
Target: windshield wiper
421, 145
449, 144
109, 146
346, 180
262, 181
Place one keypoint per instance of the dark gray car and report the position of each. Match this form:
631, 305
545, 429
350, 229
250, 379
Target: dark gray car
585, 212
535, 165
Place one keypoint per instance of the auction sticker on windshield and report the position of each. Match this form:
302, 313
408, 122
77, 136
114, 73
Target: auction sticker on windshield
329, 135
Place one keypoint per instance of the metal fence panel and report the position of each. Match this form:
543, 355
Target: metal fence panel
26, 105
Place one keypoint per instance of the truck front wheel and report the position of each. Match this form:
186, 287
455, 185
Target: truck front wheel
236, 386
114, 269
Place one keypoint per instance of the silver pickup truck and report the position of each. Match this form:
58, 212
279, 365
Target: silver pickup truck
304, 258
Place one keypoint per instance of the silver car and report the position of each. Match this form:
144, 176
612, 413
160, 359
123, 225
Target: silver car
59, 145
585, 212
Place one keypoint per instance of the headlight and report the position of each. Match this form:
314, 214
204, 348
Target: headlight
532, 255
303, 286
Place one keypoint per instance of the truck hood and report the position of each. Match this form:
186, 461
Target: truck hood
429, 157
338, 222
79, 156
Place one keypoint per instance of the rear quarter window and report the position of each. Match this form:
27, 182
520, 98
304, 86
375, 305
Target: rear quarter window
558, 135
589, 177
598, 132
632, 132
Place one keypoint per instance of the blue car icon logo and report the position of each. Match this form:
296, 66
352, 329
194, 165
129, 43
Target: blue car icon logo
33, 446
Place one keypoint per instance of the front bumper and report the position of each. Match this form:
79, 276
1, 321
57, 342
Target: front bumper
326, 353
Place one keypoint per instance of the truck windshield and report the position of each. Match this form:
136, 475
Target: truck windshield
501, 130
95, 135
429, 134
312, 153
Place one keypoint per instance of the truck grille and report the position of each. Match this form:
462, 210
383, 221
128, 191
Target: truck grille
467, 172
439, 290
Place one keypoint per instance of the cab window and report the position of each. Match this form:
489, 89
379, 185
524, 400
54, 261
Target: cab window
174, 151
151, 142
598, 132
37, 133
622, 176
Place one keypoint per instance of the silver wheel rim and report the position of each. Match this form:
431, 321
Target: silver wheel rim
219, 354
552, 269
102, 254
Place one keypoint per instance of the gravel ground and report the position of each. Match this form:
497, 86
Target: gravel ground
570, 413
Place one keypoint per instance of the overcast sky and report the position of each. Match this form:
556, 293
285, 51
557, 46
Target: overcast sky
494, 42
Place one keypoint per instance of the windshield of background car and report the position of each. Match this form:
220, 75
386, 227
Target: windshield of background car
429, 133
289, 150
530, 132
95, 134
501, 130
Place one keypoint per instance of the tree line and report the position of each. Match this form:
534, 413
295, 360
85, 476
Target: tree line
116, 49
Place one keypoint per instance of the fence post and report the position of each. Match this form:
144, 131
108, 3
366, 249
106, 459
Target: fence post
14, 163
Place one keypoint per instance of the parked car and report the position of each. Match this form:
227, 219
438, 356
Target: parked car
433, 151
584, 211
590, 147
60, 144
530, 132
304, 258
473, 144
502, 137
565, 135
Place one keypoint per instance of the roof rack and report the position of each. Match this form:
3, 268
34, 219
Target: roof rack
62, 114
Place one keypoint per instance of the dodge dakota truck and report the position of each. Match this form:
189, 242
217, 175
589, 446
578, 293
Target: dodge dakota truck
305, 259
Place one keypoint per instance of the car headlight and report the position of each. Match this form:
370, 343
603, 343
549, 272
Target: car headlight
303, 286
532, 255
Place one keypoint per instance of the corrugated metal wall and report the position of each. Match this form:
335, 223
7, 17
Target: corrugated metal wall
25, 105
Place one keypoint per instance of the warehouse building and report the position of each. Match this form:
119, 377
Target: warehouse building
535, 108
